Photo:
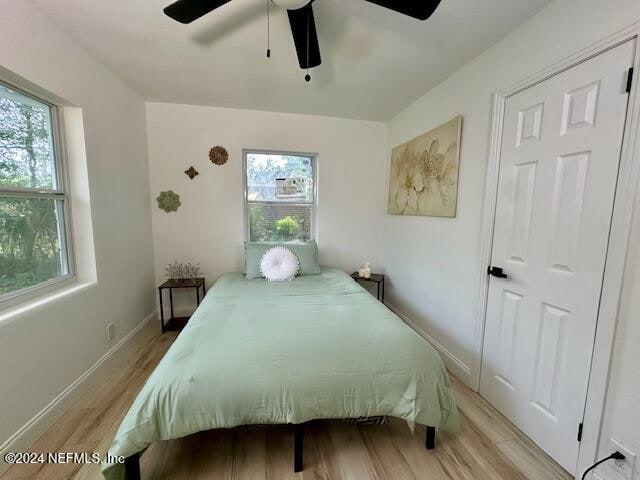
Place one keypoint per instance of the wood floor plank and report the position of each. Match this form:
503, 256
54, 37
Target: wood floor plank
351, 454
319, 455
423, 463
213, 455
535, 464
483, 415
279, 453
249, 453
487, 447
386, 457
471, 455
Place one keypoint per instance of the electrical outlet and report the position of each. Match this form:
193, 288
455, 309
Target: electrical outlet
623, 468
111, 331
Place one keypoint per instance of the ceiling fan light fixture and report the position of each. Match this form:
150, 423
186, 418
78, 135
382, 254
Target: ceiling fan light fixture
292, 4
301, 20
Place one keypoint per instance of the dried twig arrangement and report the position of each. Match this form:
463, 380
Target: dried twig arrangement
182, 271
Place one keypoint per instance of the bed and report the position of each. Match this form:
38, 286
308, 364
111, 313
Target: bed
256, 353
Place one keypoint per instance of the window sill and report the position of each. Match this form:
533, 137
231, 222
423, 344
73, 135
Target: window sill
60, 291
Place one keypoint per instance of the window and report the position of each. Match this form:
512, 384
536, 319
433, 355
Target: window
279, 196
33, 199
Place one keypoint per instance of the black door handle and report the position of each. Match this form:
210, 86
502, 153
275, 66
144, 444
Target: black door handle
497, 272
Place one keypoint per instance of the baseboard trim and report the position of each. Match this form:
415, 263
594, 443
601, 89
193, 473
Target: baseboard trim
29, 433
453, 363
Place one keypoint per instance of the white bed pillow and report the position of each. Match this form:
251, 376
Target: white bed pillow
279, 264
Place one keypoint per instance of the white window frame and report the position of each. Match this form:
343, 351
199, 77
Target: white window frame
60, 194
314, 205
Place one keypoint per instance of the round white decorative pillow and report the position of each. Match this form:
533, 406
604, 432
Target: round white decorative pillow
279, 264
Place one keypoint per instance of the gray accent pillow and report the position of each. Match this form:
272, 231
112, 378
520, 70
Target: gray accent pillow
307, 254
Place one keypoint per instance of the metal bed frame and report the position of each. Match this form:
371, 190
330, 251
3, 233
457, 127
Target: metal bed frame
132, 463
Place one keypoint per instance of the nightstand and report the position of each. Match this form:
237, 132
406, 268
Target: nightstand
375, 278
178, 323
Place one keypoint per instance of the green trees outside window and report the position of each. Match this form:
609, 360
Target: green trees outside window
32, 198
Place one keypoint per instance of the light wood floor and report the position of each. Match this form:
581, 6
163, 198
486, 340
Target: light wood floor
487, 447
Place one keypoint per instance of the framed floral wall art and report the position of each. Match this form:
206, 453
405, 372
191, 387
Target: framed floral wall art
424, 173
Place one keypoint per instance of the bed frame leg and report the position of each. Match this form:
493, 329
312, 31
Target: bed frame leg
132, 467
298, 448
431, 438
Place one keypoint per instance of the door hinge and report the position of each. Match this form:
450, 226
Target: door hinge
580, 432
629, 79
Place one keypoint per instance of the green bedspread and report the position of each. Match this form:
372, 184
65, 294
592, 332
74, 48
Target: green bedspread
319, 347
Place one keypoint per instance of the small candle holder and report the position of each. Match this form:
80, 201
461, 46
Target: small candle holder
365, 272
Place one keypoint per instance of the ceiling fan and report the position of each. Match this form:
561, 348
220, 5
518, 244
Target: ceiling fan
301, 19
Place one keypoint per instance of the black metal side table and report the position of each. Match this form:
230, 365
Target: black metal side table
375, 278
178, 323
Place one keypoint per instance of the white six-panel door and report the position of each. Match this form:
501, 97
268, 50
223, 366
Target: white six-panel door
558, 170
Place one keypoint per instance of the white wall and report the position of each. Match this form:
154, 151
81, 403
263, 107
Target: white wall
46, 348
433, 263
209, 226
622, 418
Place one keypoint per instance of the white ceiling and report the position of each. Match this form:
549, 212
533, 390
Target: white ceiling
375, 62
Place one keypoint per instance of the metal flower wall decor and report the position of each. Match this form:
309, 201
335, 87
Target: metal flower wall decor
191, 173
169, 201
218, 155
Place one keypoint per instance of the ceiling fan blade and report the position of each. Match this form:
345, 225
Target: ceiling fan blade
186, 11
303, 29
421, 9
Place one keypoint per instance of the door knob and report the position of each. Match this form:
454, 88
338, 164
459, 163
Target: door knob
497, 272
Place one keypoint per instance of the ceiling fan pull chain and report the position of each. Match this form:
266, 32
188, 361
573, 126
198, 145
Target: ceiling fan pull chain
307, 77
268, 31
